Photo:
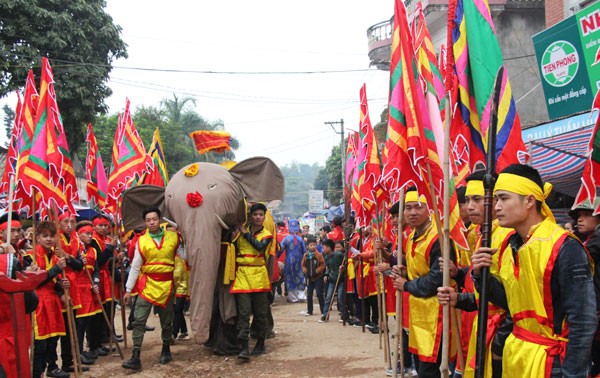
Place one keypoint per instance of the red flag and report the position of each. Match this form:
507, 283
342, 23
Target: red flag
12, 155
591, 172
369, 166
49, 168
159, 175
217, 141
97, 183
129, 158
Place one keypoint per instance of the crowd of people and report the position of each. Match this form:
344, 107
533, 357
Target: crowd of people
87, 264
542, 289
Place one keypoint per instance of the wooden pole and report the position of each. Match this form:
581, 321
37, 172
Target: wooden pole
112, 341
399, 342
11, 190
69, 305
444, 369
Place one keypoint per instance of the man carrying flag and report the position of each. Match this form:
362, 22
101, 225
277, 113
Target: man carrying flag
544, 281
421, 280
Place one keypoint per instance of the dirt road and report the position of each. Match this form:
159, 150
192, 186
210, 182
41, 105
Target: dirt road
302, 348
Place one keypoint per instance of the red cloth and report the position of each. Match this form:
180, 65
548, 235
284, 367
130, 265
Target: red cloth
72, 248
48, 319
89, 301
337, 234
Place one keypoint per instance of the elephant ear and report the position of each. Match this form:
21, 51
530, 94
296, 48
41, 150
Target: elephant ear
136, 200
260, 178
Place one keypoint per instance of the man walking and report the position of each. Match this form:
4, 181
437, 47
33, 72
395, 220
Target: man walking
154, 263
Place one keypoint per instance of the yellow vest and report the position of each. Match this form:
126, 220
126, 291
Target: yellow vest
495, 314
155, 282
425, 314
530, 349
251, 275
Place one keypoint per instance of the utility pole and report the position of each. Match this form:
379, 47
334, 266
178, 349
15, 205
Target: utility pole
342, 149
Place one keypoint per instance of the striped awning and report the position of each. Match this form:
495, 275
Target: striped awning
560, 159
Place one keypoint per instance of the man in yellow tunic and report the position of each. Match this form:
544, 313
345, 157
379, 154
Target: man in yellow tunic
468, 299
154, 263
544, 281
424, 277
252, 282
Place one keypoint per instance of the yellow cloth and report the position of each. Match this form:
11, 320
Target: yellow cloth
156, 274
251, 273
351, 272
413, 196
475, 188
524, 186
181, 274
499, 236
192, 170
527, 286
425, 314
229, 274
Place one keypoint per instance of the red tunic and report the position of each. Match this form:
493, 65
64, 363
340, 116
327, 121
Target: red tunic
130, 254
71, 247
89, 301
105, 281
48, 319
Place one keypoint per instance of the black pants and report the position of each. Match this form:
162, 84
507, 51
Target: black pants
255, 304
430, 369
43, 351
94, 331
371, 310
82, 324
65, 344
179, 325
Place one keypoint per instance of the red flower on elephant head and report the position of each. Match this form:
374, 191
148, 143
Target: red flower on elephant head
194, 199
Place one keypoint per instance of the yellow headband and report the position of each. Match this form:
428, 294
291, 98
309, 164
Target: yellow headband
413, 196
475, 188
524, 186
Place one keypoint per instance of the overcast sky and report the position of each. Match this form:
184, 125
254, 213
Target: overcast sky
276, 115
249, 44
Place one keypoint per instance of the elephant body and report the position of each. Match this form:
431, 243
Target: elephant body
223, 194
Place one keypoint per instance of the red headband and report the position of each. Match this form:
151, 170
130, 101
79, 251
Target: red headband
100, 220
14, 224
65, 216
85, 229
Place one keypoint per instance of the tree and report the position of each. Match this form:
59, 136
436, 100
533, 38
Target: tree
333, 174
9, 118
173, 121
81, 41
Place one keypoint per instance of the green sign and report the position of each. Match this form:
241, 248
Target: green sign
568, 56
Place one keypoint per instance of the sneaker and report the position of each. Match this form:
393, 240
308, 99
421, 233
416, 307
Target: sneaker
183, 336
340, 320
307, 314
390, 373
57, 373
323, 319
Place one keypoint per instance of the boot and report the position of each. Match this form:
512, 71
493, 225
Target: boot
259, 348
134, 363
165, 354
245, 353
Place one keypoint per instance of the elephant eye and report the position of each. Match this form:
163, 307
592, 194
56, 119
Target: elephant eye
212, 186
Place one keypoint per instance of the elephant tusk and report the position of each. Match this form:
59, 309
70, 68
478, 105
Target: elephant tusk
170, 222
223, 224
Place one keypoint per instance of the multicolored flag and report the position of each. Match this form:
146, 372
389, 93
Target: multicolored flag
217, 141
351, 156
477, 58
591, 172
398, 172
433, 131
370, 191
159, 175
47, 168
129, 158
12, 155
352, 175
97, 182
24, 141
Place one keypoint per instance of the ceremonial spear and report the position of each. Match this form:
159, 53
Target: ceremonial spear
486, 229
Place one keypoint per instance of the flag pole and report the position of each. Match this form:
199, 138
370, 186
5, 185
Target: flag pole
444, 369
399, 342
486, 229
11, 190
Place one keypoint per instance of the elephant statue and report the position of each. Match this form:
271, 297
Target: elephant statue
218, 203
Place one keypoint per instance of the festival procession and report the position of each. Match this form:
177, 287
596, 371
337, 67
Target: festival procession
449, 245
